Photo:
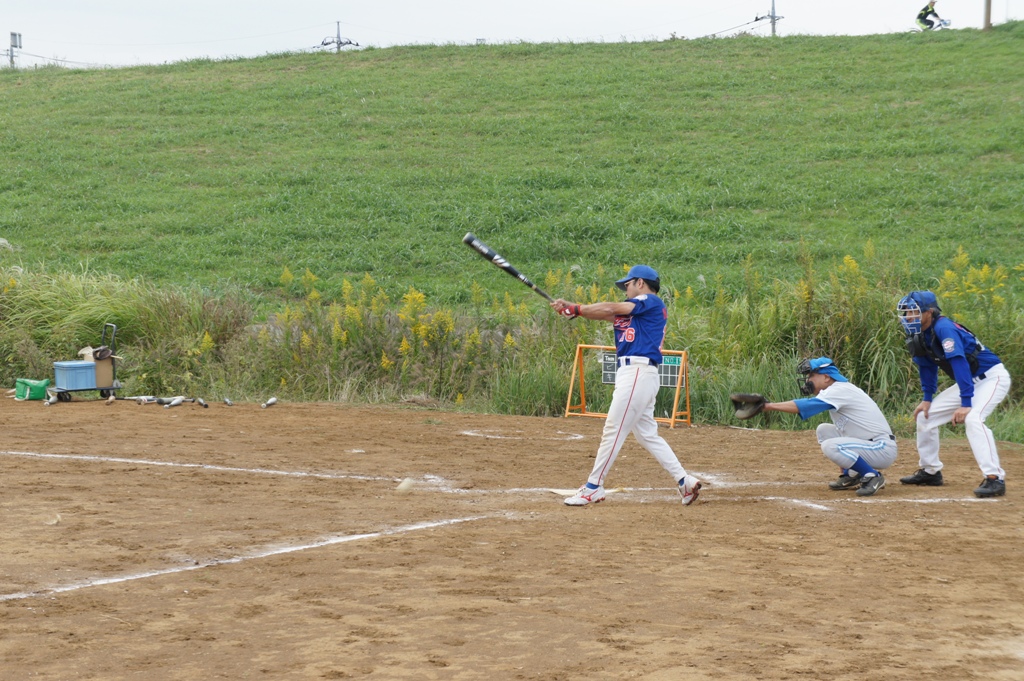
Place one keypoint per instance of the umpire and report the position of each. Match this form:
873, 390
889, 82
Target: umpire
982, 382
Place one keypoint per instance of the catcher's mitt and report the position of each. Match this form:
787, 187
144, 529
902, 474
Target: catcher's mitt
747, 405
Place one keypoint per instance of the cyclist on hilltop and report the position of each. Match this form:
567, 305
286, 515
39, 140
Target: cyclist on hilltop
923, 21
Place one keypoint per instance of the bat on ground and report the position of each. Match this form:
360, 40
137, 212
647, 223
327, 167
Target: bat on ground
489, 254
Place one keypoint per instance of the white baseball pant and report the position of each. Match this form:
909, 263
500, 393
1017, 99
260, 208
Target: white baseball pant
843, 451
988, 393
632, 410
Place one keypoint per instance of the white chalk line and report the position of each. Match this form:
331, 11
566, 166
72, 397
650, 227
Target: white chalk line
439, 484
199, 466
940, 500
328, 541
486, 432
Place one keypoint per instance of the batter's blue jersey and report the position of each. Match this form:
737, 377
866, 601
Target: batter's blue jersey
641, 333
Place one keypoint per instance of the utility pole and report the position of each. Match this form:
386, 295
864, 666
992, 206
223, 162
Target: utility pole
15, 44
337, 41
988, 16
773, 16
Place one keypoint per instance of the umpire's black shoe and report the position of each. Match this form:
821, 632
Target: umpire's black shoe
922, 477
991, 487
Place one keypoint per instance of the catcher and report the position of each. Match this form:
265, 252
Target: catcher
859, 439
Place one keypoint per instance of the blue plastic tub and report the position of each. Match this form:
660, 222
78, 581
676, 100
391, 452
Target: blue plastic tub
77, 375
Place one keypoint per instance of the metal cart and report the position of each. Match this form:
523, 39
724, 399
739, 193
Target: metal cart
63, 387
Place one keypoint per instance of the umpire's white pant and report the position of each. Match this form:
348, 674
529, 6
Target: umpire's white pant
843, 451
988, 393
632, 410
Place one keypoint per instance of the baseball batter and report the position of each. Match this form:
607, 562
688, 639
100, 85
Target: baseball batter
639, 325
859, 439
981, 383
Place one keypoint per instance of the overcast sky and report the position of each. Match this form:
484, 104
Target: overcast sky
127, 32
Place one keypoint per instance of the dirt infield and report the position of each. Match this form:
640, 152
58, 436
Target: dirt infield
247, 543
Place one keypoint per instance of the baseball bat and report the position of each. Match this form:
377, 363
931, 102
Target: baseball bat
489, 254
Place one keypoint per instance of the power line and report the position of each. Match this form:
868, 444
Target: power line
756, 20
63, 61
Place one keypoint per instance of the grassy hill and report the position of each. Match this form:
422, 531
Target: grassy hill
689, 155
172, 200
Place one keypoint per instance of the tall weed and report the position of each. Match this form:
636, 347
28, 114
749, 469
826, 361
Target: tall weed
493, 353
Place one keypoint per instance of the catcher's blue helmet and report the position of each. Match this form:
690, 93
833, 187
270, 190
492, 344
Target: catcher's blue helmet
912, 306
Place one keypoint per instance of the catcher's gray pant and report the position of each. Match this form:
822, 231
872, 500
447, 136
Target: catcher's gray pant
632, 410
988, 393
843, 451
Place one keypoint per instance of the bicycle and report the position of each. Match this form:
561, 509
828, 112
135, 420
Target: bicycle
940, 25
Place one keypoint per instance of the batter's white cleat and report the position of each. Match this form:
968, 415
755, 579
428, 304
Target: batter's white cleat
584, 495
689, 490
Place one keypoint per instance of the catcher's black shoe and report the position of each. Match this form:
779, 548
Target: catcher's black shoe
991, 487
845, 482
922, 477
871, 485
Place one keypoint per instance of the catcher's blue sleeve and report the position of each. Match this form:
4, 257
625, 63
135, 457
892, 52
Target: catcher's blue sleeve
811, 406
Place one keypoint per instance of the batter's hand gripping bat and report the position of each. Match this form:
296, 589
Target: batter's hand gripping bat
488, 254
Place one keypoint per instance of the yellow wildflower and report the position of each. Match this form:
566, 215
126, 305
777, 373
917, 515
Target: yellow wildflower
380, 302
338, 334
552, 279
961, 259
477, 294
413, 305
308, 279
206, 344
353, 315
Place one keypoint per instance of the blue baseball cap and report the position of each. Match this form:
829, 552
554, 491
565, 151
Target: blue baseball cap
824, 365
926, 300
638, 272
